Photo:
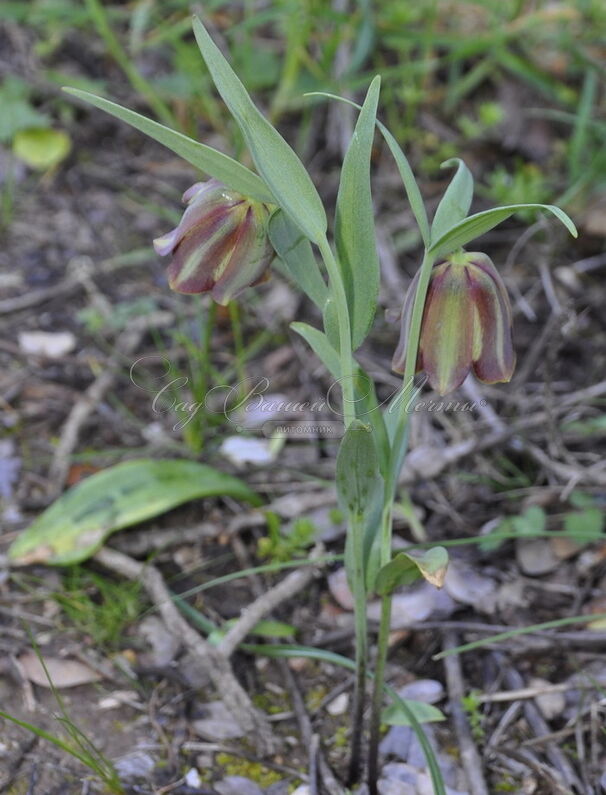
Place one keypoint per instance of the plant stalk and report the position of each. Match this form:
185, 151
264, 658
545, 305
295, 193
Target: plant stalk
356, 528
386, 519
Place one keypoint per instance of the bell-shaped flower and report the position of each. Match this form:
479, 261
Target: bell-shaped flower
220, 246
466, 324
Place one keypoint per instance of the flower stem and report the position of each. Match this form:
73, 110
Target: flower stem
399, 440
356, 529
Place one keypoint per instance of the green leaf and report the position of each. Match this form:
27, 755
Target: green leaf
587, 525
483, 222
455, 202
396, 715
357, 469
369, 410
407, 567
216, 164
318, 342
354, 222
297, 258
41, 148
410, 184
531, 522
75, 526
279, 166
270, 628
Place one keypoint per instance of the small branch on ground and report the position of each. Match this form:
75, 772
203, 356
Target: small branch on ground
210, 659
470, 758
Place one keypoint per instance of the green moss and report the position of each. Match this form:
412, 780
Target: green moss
340, 738
235, 766
315, 696
506, 785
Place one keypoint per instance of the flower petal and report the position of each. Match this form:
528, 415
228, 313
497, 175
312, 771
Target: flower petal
494, 357
447, 330
250, 258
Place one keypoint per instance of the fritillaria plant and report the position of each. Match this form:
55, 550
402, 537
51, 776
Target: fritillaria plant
456, 318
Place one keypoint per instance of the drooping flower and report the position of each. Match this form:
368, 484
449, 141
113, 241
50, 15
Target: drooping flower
221, 244
466, 324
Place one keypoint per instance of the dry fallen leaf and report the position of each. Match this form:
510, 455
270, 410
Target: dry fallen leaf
62, 672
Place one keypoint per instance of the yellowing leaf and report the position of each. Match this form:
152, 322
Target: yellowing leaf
76, 525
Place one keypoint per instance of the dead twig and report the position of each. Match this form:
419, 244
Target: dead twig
470, 758
267, 602
212, 662
539, 726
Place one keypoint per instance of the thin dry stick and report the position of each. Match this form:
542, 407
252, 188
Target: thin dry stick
472, 764
212, 662
267, 602
539, 726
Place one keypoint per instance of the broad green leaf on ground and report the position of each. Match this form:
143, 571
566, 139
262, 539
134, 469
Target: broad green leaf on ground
75, 526
455, 202
209, 160
277, 163
297, 258
407, 567
318, 342
480, 223
396, 715
354, 222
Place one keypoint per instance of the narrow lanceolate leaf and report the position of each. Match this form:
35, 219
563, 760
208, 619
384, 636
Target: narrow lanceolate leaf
209, 160
483, 222
76, 525
410, 184
279, 166
354, 223
455, 202
318, 342
357, 469
297, 258
417, 205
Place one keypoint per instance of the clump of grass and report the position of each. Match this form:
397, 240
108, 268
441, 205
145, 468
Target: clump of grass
99, 607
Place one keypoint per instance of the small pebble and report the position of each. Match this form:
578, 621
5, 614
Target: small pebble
428, 690
338, 706
217, 723
387, 786
238, 785
134, 765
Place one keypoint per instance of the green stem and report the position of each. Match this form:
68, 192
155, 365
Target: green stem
356, 527
377, 695
386, 519
236, 330
345, 351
